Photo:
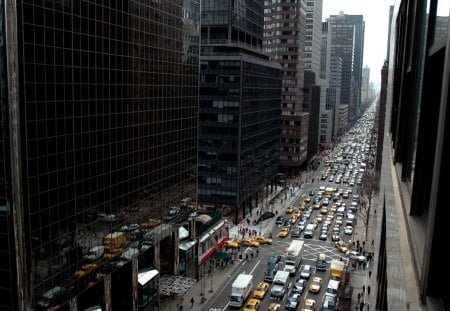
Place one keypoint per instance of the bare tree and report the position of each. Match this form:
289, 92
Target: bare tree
368, 189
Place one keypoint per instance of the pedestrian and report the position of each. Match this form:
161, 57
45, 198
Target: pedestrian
359, 297
364, 289
246, 256
368, 290
361, 306
364, 243
373, 242
370, 273
257, 252
192, 302
251, 254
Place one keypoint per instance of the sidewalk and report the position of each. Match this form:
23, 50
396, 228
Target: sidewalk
363, 280
207, 287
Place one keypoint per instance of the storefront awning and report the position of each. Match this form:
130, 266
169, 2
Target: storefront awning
222, 255
145, 276
187, 245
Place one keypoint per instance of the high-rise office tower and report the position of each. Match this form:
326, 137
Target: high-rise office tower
413, 197
347, 42
284, 40
239, 116
99, 104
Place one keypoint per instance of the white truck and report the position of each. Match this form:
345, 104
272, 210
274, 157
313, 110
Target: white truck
241, 289
280, 285
294, 254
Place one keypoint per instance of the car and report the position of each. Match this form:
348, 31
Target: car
248, 242
273, 306
356, 256
287, 223
308, 304
305, 271
289, 209
274, 258
262, 239
283, 232
323, 235
85, 269
341, 246
299, 286
295, 232
293, 219
261, 290
279, 220
292, 301
253, 305
348, 230
335, 237
231, 244
315, 285
312, 193
130, 228
151, 223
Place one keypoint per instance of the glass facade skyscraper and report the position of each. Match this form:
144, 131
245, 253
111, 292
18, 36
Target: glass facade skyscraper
239, 115
99, 134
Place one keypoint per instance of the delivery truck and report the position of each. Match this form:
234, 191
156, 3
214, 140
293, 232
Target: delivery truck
294, 254
336, 269
240, 290
280, 285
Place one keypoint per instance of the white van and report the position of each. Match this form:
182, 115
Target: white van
333, 288
309, 231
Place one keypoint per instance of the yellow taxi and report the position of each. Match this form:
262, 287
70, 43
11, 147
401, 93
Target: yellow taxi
252, 305
231, 244
283, 232
309, 304
262, 240
302, 206
315, 285
273, 306
248, 242
289, 209
151, 223
297, 212
261, 290
307, 199
293, 219
317, 205
318, 219
85, 269
341, 246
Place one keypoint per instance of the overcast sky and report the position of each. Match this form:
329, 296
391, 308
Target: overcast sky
376, 16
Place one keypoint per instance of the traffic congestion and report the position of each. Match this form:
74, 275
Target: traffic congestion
303, 262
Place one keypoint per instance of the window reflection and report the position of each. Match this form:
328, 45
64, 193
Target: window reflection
442, 12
